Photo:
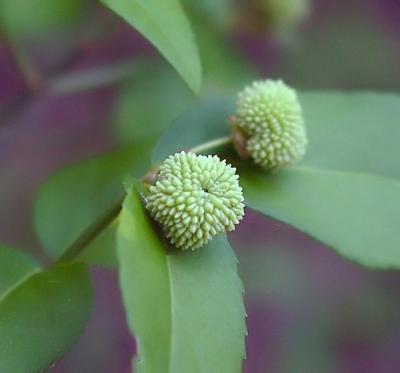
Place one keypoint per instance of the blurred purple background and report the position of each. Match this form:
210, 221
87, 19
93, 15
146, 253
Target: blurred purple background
309, 310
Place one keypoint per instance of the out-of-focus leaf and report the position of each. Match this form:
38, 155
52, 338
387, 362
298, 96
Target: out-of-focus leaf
75, 196
284, 16
164, 23
155, 96
221, 12
225, 69
14, 266
150, 102
206, 121
26, 19
185, 309
42, 317
341, 61
343, 197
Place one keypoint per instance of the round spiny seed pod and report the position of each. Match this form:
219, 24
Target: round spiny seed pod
270, 115
195, 198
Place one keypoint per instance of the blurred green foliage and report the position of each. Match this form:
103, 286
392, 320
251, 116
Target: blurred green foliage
149, 102
351, 50
27, 19
220, 13
42, 317
155, 96
88, 190
285, 15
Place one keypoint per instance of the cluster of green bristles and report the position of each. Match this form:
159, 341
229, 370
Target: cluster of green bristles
196, 197
270, 115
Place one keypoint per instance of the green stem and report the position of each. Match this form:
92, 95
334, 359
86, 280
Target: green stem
77, 247
211, 144
101, 223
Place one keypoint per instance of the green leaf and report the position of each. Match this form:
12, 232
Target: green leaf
159, 85
356, 214
224, 70
345, 130
353, 132
74, 197
103, 250
14, 266
164, 23
345, 193
42, 317
185, 309
206, 121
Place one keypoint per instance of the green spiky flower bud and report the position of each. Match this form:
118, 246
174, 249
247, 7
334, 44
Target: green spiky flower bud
195, 198
270, 115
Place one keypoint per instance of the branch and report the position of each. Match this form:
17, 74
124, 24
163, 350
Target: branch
101, 223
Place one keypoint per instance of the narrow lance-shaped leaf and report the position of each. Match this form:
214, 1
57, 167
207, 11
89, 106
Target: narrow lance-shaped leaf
185, 309
164, 23
42, 317
345, 192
